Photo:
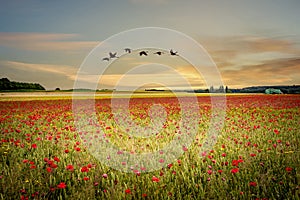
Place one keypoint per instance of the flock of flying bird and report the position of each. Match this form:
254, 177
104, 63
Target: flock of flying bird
141, 53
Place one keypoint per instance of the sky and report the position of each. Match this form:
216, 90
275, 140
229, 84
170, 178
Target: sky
251, 42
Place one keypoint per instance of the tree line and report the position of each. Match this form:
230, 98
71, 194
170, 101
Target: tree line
7, 85
293, 89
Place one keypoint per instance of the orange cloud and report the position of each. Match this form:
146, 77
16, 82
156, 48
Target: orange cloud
274, 72
66, 70
45, 42
252, 60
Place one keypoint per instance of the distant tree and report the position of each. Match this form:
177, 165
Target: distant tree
221, 89
57, 89
211, 89
4, 83
227, 90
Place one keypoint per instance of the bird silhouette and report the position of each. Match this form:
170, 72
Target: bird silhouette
106, 59
113, 55
173, 53
127, 50
143, 53
158, 53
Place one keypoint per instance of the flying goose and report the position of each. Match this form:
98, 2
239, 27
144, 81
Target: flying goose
143, 53
113, 55
127, 50
159, 53
173, 53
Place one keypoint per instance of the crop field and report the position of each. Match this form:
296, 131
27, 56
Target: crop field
43, 154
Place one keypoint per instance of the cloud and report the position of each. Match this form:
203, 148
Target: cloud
242, 61
252, 60
66, 70
272, 72
264, 44
45, 42
229, 47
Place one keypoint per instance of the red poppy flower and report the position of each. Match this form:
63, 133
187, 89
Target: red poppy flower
49, 169
50, 162
184, 148
62, 185
128, 191
209, 172
288, 169
155, 179
86, 178
144, 195
84, 169
235, 163
34, 146
235, 170
53, 165
143, 168
77, 149
56, 159
24, 197
104, 175
70, 168
170, 165
253, 184
32, 167
137, 172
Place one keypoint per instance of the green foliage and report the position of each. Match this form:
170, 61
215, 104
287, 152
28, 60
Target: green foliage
7, 85
273, 91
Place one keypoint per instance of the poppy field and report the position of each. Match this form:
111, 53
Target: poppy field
256, 154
